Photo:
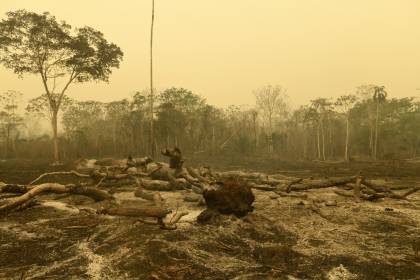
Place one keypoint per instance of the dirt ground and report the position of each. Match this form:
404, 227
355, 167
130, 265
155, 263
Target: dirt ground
61, 238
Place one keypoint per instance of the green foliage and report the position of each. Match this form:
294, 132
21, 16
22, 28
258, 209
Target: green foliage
32, 43
183, 118
39, 44
40, 106
10, 120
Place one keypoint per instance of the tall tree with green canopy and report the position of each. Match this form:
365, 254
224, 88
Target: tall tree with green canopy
32, 43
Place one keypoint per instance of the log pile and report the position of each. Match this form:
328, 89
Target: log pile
221, 192
147, 176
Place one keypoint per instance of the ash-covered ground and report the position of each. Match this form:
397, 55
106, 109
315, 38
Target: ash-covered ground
283, 238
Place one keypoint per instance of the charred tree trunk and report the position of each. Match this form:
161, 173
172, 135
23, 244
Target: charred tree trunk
375, 145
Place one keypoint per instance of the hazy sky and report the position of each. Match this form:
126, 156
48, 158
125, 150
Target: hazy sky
223, 49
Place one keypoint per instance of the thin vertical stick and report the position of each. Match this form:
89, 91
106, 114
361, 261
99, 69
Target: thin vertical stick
152, 132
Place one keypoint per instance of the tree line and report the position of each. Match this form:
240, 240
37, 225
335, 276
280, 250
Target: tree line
366, 124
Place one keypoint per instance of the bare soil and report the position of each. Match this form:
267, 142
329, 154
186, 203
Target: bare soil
282, 238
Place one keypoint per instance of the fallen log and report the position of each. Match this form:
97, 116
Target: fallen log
160, 185
262, 187
92, 192
375, 196
171, 225
318, 184
196, 174
363, 196
259, 178
294, 195
375, 186
156, 210
13, 188
142, 194
141, 211
156, 185
294, 182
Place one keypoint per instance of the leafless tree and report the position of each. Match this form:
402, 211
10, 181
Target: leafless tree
271, 102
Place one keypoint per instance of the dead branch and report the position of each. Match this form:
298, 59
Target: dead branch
73, 172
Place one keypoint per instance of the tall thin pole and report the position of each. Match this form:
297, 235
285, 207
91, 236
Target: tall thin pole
152, 132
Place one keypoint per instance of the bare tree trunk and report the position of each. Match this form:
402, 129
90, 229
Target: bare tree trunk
376, 131
54, 122
305, 148
371, 139
97, 145
270, 136
318, 141
152, 132
14, 141
346, 151
213, 142
331, 137
6, 155
254, 120
114, 137
323, 140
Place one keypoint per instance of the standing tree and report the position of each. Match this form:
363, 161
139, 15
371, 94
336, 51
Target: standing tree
271, 101
311, 116
321, 108
254, 117
9, 118
38, 44
83, 124
379, 96
115, 112
345, 103
152, 131
365, 93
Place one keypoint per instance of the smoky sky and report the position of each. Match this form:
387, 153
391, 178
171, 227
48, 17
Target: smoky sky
223, 50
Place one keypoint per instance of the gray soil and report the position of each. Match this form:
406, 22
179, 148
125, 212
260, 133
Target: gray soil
62, 238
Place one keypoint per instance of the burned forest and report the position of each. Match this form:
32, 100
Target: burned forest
191, 140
